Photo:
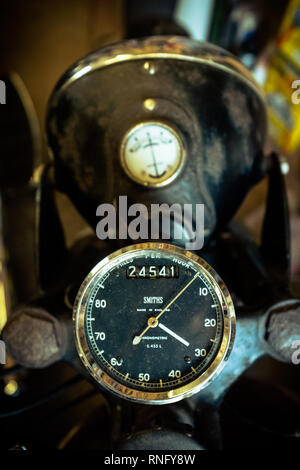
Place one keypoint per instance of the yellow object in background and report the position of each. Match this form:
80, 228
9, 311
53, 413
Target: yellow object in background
4, 299
289, 35
284, 115
282, 83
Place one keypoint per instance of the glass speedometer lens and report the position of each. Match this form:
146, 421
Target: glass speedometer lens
153, 323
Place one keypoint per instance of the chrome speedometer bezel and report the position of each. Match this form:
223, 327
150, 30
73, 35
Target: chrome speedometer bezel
163, 397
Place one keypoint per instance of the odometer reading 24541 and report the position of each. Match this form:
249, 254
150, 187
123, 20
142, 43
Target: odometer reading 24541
160, 338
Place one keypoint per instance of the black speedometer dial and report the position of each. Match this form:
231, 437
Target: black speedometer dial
154, 323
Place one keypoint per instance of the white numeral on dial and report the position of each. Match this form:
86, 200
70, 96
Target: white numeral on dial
209, 322
203, 291
114, 361
175, 373
100, 335
200, 352
144, 377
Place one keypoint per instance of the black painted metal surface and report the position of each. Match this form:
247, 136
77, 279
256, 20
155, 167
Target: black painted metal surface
199, 89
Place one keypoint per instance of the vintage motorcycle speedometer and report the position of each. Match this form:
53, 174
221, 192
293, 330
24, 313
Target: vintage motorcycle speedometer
154, 323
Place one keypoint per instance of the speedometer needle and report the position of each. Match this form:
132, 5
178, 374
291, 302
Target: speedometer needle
175, 335
153, 321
